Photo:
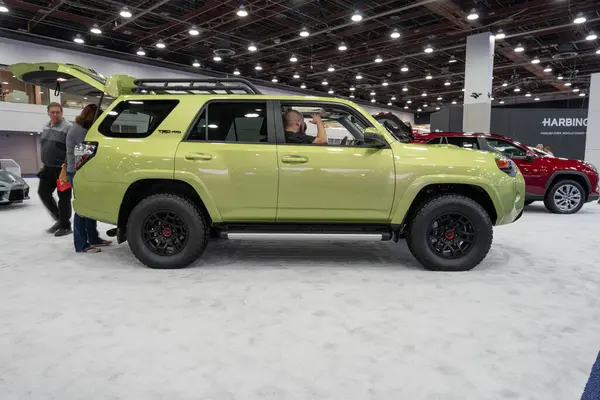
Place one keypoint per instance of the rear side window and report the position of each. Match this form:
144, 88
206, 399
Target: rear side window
466, 142
136, 118
243, 122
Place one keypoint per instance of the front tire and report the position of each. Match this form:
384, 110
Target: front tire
166, 231
450, 233
565, 197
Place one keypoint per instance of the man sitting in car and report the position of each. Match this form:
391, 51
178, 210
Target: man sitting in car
295, 129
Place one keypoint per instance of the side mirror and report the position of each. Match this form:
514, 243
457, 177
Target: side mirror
374, 138
529, 157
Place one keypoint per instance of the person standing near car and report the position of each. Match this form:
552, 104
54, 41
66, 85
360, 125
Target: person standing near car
85, 232
53, 153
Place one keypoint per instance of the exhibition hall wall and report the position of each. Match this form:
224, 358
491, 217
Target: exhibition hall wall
564, 130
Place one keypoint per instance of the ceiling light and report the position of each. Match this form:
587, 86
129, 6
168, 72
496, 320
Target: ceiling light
258, 67
160, 45
591, 36
342, 47
304, 32
428, 76
303, 86
547, 68
236, 72
393, 98
194, 31
351, 95
535, 61
491, 98
428, 49
196, 64
378, 58
389, 104
408, 101
424, 94
501, 102
517, 89
296, 75
419, 110
536, 99
406, 107
385, 83
324, 83
452, 60
274, 80
462, 90
352, 88
500, 34
576, 89
447, 83
356, 16
3, 7
404, 68
125, 13
579, 19
453, 101
217, 58
372, 93
78, 39
405, 89
519, 48
331, 68
330, 91
95, 29
252, 47
598, 51
439, 98
504, 84
582, 94
5, 83
437, 108
473, 15
373, 100
395, 34
425, 105
527, 94
560, 77
293, 58
140, 52
567, 83
241, 12
359, 76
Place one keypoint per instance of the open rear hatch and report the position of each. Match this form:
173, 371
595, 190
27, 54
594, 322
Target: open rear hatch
70, 78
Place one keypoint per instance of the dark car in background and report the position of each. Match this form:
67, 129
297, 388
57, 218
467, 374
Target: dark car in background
13, 189
564, 185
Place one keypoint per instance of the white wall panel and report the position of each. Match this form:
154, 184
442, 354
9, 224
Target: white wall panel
22, 148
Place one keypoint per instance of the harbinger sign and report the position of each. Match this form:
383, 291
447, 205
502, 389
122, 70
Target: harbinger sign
565, 122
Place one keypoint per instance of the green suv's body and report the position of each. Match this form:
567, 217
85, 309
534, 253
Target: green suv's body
378, 184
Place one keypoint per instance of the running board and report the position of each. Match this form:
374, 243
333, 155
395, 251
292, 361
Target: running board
360, 237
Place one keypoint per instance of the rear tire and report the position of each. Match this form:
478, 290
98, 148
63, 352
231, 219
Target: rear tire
562, 197
166, 231
458, 246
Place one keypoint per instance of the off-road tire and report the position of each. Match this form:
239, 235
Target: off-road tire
549, 198
529, 202
418, 234
197, 230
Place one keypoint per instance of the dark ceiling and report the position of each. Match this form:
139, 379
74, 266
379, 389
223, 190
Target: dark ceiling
544, 27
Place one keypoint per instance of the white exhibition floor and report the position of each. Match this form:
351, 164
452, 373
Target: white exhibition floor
307, 321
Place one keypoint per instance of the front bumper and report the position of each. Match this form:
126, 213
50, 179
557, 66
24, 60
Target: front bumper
14, 194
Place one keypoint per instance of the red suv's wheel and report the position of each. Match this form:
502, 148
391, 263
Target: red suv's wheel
565, 197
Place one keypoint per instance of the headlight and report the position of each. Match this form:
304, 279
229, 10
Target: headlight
507, 165
592, 166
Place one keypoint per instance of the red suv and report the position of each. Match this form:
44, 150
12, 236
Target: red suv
564, 185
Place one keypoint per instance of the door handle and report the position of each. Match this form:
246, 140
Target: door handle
294, 159
198, 156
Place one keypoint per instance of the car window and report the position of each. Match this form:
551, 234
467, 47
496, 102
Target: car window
136, 118
461, 141
227, 121
507, 148
339, 122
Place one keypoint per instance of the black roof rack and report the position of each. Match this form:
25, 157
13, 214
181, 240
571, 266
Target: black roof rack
195, 86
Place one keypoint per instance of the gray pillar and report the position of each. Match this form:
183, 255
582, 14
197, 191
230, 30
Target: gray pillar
479, 68
592, 140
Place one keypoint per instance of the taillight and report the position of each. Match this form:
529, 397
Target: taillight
84, 152
507, 165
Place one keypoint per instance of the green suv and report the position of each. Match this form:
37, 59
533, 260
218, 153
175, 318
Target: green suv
174, 163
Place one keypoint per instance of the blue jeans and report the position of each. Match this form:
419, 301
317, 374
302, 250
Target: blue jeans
85, 232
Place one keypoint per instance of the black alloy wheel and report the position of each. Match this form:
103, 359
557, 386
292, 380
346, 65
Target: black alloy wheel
451, 235
165, 233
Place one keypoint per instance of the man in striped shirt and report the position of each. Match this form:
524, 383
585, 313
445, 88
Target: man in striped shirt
54, 152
